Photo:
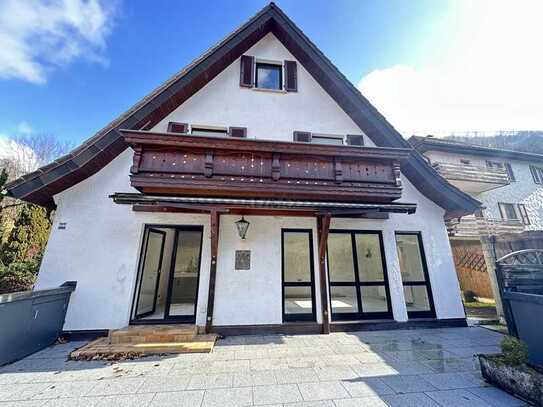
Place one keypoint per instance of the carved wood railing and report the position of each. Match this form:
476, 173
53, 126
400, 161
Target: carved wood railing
475, 227
467, 172
229, 167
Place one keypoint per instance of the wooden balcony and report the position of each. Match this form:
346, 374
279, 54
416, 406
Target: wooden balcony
471, 226
470, 178
185, 165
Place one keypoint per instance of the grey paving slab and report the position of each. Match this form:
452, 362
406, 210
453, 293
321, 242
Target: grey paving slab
211, 381
457, 398
496, 397
451, 381
279, 393
178, 399
65, 390
360, 402
409, 400
26, 403
408, 384
295, 376
158, 384
254, 379
320, 403
366, 386
25, 391
233, 397
109, 387
323, 391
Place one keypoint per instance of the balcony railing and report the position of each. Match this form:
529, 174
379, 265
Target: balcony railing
232, 167
471, 226
471, 178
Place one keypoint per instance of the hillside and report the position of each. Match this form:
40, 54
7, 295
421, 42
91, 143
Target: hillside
528, 141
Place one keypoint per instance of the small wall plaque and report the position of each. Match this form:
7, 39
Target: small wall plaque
243, 260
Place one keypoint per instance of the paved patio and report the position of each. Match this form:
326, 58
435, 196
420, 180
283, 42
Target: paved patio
430, 367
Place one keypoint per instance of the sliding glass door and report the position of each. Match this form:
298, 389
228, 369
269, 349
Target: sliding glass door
357, 275
416, 284
298, 282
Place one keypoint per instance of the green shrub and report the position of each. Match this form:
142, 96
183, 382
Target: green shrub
469, 296
515, 352
19, 276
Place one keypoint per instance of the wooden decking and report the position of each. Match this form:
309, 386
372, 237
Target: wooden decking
138, 341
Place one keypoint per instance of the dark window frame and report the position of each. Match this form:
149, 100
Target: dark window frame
503, 212
524, 218
298, 317
537, 174
277, 67
317, 136
431, 313
357, 284
202, 128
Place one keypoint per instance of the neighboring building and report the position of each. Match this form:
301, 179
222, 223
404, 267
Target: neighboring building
346, 221
509, 184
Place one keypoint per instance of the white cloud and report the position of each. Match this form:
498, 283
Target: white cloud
38, 36
488, 75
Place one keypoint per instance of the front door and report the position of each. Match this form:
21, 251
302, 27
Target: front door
150, 274
357, 276
184, 274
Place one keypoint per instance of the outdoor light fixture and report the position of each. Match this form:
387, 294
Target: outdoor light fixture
242, 226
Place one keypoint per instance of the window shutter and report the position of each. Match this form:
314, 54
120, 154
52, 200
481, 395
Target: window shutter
523, 214
246, 74
174, 127
509, 170
302, 136
502, 211
535, 174
291, 76
238, 132
355, 140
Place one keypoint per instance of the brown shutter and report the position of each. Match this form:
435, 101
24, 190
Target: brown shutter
302, 136
174, 127
246, 74
355, 140
291, 76
239, 132
509, 170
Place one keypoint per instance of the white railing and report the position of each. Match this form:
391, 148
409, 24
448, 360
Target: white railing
468, 172
474, 227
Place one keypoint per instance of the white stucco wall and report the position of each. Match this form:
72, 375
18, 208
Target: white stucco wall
524, 190
100, 246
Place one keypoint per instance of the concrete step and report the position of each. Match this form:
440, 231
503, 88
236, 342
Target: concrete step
137, 334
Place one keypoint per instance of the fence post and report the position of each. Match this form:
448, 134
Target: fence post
487, 245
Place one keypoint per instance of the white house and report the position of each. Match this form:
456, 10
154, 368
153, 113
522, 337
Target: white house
344, 222
509, 184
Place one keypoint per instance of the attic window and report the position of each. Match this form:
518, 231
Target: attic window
269, 76
208, 131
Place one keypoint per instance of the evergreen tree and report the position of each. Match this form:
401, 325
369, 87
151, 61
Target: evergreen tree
3, 180
28, 236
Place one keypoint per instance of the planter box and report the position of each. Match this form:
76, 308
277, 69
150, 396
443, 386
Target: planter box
526, 309
521, 381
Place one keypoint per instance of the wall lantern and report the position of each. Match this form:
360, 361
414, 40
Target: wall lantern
242, 226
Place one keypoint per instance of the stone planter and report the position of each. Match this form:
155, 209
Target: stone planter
521, 381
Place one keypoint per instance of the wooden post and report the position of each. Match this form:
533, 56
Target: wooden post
323, 226
215, 218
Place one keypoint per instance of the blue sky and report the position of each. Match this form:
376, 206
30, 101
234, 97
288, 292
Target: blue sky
105, 57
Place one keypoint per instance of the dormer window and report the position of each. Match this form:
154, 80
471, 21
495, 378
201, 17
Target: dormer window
269, 76
208, 131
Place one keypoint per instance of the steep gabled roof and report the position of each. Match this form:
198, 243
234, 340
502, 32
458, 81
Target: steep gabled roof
423, 144
40, 186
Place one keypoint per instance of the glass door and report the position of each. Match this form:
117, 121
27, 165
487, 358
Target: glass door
357, 276
416, 284
298, 283
150, 273
184, 275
